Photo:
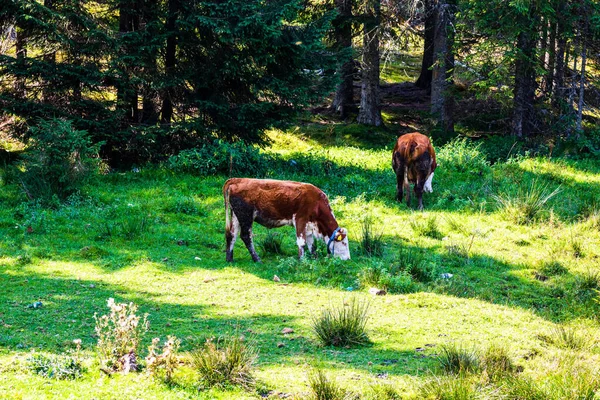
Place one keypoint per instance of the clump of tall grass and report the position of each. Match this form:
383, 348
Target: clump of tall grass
412, 262
427, 227
497, 363
461, 155
457, 359
384, 391
453, 387
344, 325
588, 280
323, 388
567, 337
229, 361
552, 268
272, 243
371, 242
527, 204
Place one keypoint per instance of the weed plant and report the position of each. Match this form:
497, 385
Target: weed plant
343, 326
229, 361
119, 334
58, 367
162, 364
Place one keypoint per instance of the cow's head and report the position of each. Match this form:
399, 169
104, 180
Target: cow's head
338, 244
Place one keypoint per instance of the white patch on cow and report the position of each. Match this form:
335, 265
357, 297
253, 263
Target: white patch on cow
340, 249
313, 230
300, 241
427, 187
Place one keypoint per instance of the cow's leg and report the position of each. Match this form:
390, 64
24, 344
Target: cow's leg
246, 235
231, 232
419, 192
244, 213
406, 186
399, 170
300, 226
310, 243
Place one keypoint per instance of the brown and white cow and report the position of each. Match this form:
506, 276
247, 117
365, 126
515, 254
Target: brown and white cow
413, 160
273, 203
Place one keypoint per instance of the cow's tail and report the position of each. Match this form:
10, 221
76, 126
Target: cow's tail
227, 208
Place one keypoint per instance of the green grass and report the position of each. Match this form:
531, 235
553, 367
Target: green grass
156, 238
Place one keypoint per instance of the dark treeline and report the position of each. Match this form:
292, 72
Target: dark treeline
147, 78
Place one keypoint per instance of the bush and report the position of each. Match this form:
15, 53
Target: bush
526, 205
324, 389
343, 326
163, 364
229, 362
460, 155
220, 157
119, 335
456, 359
55, 366
400, 283
59, 160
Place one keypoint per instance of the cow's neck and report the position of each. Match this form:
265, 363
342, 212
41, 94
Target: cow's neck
327, 226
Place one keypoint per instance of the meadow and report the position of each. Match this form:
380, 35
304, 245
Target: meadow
505, 255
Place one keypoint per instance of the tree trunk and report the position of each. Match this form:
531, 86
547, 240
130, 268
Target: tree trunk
21, 53
370, 111
127, 99
344, 95
559, 74
50, 59
549, 78
170, 61
524, 91
582, 77
443, 65
424, 80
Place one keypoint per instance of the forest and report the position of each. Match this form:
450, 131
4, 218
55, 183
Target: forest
121, 120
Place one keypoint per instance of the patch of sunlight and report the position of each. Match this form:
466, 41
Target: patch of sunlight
560, 169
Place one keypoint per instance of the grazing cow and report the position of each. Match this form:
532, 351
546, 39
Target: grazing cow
274, 203
413, 161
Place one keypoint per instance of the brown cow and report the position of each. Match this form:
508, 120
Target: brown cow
274, 203
413, 161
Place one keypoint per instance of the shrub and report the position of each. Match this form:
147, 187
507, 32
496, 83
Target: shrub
272, 243
344, 325
55, 366
371, 241
163, 365
456, 359
372, 276
228, 362
119, 335
427, 227
527, 204
399, 283
323, 388
59, 160
220, 157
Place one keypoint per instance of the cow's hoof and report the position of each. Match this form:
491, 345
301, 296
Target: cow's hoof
256, 259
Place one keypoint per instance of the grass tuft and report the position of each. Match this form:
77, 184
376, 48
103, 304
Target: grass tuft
427, 227
228, 362
566, 337
322, 388
497, 363
526, 205
343, 326
272, 243
456, 359
59, 367
589, 280
412, 262
552, 268
455, 387
371, 242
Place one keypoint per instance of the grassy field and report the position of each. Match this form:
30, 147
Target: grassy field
520, 277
